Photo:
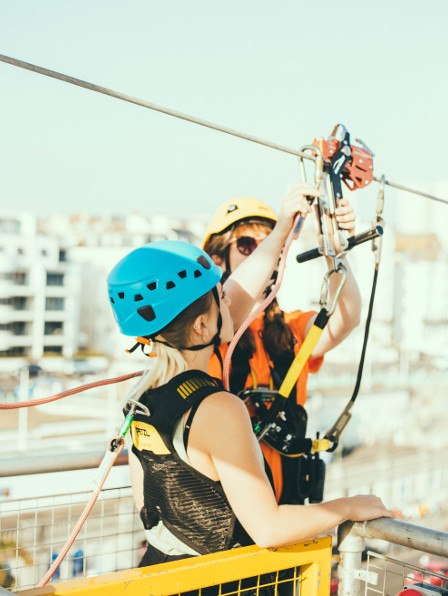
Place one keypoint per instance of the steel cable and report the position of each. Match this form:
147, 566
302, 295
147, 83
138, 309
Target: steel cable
153, 106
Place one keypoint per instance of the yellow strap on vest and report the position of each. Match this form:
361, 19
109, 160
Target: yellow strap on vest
301, 358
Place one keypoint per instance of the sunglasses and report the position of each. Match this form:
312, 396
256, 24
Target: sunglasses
246, 244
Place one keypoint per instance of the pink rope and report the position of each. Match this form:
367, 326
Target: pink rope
79, 524
293, 235
80, 389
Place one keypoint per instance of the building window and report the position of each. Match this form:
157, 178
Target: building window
5, 301
20, 278
54, 303
53, 327
55, 279
9, 226
17, 351
19, 328
52, 349
62, 255
19, 302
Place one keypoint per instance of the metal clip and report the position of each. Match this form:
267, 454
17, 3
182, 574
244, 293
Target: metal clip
325, 289
369, 577
138, 408
324, 206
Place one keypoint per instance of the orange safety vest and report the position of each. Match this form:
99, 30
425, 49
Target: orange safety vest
260, 376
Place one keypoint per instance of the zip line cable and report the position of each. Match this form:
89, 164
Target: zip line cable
153, 106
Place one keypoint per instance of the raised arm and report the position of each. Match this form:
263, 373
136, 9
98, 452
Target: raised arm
249, 280
348, 311
237, 462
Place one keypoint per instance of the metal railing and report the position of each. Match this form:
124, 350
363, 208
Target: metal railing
57, 462
32, 532
383, 574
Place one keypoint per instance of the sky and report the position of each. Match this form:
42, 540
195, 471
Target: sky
285, 71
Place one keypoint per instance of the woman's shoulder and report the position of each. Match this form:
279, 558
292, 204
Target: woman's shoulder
224, 411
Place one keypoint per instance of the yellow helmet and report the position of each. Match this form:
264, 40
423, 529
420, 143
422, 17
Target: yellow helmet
236, 210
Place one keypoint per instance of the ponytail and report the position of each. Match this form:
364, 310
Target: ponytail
278, 339
168, 361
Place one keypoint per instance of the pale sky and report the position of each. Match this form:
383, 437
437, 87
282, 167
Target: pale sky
286, 71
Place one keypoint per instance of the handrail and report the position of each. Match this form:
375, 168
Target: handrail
351, 542
58, 462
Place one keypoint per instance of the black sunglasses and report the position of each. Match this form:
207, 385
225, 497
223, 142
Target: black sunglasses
246, 245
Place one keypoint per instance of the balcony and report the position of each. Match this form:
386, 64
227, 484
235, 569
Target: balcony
5, 313
6, 340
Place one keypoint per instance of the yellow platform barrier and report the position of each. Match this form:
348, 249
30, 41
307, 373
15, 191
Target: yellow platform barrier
198, 573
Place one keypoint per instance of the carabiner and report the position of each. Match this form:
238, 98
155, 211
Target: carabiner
318, 164
137, 408
325, 289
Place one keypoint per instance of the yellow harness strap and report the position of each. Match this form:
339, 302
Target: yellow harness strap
305, 351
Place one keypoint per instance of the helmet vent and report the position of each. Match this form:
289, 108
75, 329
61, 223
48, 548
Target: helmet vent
197, 273
204, 262
112, 300
138, 297
170, 285
147, 312
182, 274
121, 295
152, 286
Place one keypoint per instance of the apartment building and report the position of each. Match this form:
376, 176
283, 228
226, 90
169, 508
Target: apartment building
39, 296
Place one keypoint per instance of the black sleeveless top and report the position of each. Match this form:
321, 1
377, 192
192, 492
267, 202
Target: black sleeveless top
192, 506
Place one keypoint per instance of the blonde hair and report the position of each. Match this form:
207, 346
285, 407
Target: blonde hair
168, 361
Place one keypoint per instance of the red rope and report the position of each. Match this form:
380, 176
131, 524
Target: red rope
80, 389
84, 515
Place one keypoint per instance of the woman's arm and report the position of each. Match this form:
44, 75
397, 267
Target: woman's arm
246, 284
348, 311
222, 432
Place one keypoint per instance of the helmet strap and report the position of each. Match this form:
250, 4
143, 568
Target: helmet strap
215, 341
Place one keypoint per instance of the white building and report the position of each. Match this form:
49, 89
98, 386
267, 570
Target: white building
39, 293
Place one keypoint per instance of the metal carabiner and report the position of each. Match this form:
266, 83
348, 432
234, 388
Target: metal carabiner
323, 207
325, 289
137, 407
318, 164
318, 175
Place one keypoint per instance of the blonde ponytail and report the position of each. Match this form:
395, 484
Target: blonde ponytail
169, 362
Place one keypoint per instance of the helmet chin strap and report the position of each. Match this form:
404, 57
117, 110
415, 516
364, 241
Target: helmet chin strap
215, 341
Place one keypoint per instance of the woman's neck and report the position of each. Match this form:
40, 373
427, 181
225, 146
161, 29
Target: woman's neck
198, 360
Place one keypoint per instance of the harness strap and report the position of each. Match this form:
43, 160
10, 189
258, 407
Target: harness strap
189, 422
305, 351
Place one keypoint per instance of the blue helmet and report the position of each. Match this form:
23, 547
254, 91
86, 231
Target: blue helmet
154, 283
